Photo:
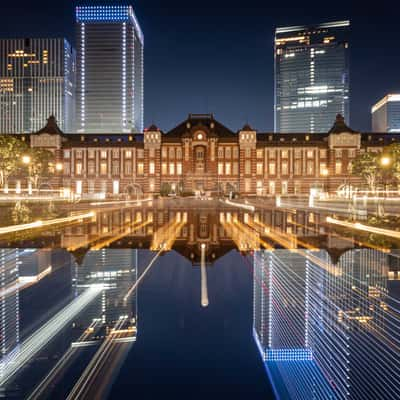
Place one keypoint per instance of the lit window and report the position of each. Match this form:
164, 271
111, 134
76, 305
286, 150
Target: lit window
103, 154
67, 154
260, 153
338, 167
220, 168
271, 187
140, 168
152, 168
91, 168
115, 153
323, 169
310, 153
271, 154
115, 168
228, 168
272, 168
285, 154
297, 167
103, 168
66, 168
260, 168
285, 168
91, 153
164, 168
164, 152
310, 167
172, 169
128, 168
128, 154
179, 168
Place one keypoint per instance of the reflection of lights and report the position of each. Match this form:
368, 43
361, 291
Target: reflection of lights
12, 364
40, 224
204, 287
59, 167
26, 159
365, 228
240, 205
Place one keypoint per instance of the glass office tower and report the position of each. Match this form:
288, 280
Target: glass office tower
37, 79
386, 114
311, 77
110, 70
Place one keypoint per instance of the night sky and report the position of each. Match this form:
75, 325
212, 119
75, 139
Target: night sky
217, 56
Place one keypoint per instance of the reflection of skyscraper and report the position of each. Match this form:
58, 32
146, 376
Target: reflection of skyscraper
351, 336
116, 270
311, 77
9, 304
37, 79
110, 70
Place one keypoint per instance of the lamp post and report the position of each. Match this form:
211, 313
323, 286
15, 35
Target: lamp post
27, 161
385, 162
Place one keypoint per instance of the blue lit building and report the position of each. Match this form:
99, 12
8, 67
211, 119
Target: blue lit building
37, 79
327, 330
110, 70
386, 114
311, 76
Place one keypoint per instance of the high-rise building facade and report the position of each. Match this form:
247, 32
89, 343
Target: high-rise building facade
110, 70
386, 114
37, 79
311, 76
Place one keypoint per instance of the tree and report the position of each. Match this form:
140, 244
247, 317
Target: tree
393, 152
41, 165
366, 166
12, 150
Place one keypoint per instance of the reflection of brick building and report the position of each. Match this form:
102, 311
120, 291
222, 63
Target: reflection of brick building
202, 154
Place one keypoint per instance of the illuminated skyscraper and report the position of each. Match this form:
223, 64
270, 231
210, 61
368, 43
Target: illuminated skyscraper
9, 305
37, 79
311, 76
386, 114
110, 70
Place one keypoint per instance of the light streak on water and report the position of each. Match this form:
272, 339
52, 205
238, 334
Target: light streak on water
11, 364
204, 289
44, 224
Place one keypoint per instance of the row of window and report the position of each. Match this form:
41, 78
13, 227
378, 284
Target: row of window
115, 153
223, 152
310, 168
226, 168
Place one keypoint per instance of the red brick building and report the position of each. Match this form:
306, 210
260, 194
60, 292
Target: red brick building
201, 154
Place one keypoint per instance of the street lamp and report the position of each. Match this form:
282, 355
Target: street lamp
27, 161
385, 161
